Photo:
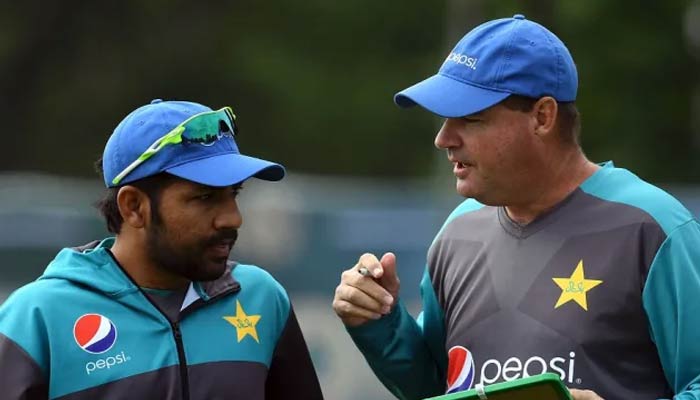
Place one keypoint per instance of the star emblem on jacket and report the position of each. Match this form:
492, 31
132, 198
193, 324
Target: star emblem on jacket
575, 287
244, 323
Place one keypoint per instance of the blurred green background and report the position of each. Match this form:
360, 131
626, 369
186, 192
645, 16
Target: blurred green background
312, 85
312, 81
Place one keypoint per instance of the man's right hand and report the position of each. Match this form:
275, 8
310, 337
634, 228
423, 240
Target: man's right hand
359, 298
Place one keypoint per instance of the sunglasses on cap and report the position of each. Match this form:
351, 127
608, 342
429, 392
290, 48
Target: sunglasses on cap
203, 128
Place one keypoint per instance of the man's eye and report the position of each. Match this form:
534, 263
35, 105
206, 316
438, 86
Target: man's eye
204, 196
471, 120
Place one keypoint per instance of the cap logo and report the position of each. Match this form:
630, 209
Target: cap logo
462, 59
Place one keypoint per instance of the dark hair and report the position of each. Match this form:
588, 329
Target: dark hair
568, 117
152, 186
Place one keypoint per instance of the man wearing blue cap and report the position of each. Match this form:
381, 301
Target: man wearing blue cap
552, 264
158, 312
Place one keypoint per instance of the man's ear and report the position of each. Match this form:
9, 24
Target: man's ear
545, 112
134, 206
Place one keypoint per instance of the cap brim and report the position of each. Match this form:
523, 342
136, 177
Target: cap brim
448, 97
227, 169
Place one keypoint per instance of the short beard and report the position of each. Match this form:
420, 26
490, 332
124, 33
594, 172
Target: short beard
184, 261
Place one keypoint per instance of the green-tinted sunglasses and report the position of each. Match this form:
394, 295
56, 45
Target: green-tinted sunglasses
204, 128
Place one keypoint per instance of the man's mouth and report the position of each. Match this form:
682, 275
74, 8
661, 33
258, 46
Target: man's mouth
222, 248
461, 168
460, 165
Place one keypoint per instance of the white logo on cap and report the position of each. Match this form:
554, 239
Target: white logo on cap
462, 59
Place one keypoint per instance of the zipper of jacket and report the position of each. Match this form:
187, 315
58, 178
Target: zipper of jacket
175, 328
184, 376
177, 334
182, 360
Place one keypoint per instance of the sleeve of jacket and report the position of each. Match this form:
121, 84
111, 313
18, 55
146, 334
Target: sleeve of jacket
407, 355
292, 374
21, 349
670, 300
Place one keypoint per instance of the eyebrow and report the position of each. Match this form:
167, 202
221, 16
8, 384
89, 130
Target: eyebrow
201, 187
474, 115
480, 113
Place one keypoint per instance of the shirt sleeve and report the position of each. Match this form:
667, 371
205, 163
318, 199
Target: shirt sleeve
21, 376
670, 299
292, 374
407, 355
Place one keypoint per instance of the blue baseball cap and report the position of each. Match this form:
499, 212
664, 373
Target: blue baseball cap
214, 164
494, 60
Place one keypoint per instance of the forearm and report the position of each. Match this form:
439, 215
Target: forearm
398, 354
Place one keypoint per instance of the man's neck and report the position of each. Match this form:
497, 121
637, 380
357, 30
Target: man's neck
561, 179
134, 261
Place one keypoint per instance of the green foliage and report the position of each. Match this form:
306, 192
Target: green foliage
312, 82
636, 81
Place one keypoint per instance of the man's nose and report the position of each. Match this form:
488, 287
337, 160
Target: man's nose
446, 137
229, 217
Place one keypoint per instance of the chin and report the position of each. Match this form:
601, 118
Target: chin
211, 270
465, 189
470, 192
